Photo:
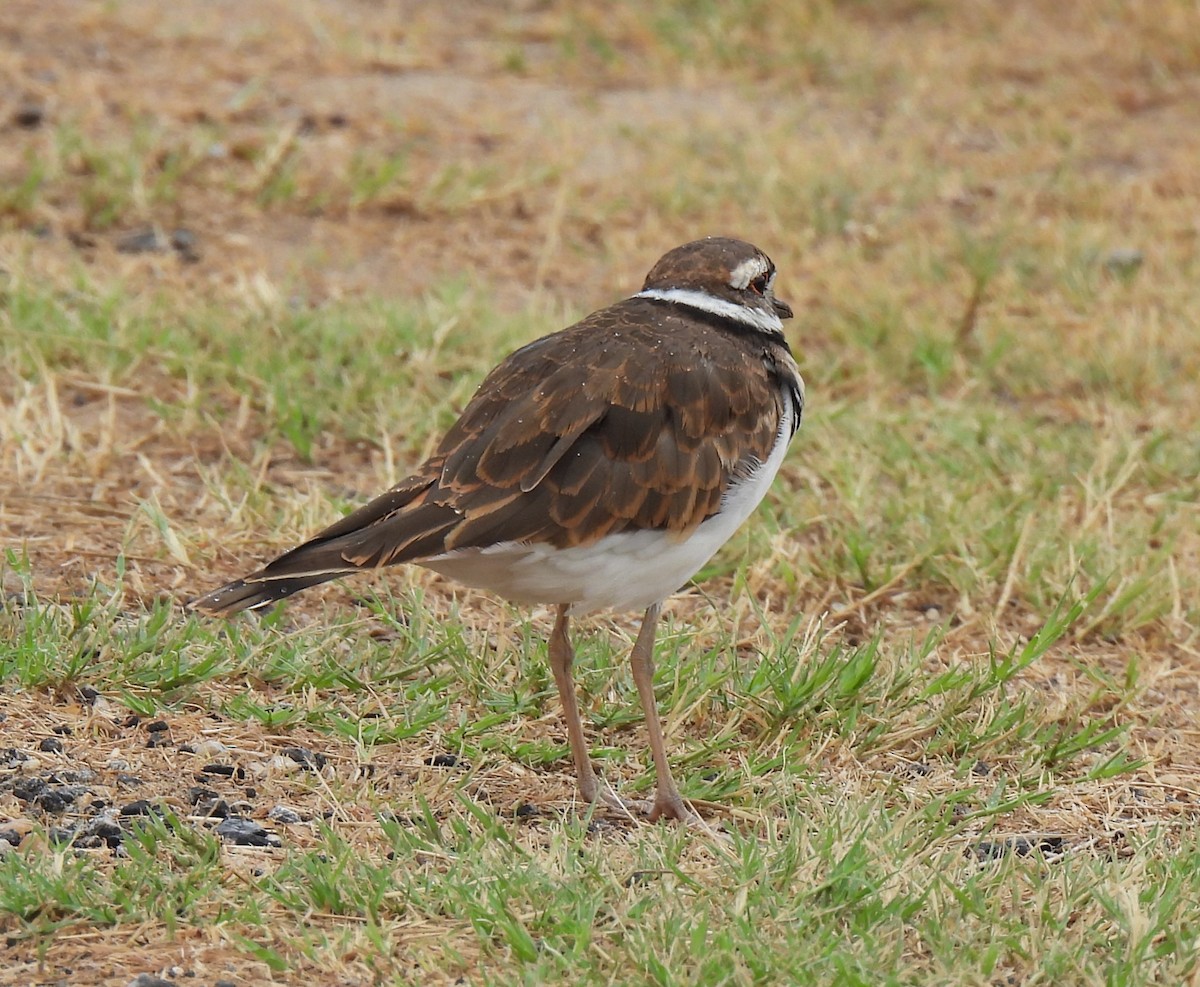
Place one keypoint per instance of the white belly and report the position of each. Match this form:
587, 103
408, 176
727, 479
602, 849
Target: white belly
625, 571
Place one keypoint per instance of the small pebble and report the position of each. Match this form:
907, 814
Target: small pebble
27, 789
140, 807
224, 770
51, 745
57, 800
442, 760
1123, 261
277, 764
246, 832
1019, 846
143, 241
184, 243
101, 831
209, 748
10, 757
29, 116
215, 808
283, 815
304, 757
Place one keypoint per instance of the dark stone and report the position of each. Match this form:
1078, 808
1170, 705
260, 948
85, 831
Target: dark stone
309, 760
216, 808
60, 798
224, 770
184, 243
144, 241
150, 980
246, 832
141, 807
10, 757
29, 116
51, 745
158, 726
443, 761
27, 789
1019, 846
98, 832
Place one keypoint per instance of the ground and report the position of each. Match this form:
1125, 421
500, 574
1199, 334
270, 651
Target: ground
939, 696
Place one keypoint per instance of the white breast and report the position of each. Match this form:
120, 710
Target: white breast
625, 571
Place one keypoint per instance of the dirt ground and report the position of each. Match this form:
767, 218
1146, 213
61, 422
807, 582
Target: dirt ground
280, 119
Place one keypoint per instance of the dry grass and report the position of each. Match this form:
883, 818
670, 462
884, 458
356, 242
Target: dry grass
986, 219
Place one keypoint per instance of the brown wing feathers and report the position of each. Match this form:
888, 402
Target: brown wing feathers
599, 428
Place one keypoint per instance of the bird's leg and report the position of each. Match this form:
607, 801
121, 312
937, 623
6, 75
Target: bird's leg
667, 800
562, 655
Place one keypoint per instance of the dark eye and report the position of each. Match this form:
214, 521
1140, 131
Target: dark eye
759, 284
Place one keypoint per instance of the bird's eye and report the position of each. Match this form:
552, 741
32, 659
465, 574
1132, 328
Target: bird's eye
760, 284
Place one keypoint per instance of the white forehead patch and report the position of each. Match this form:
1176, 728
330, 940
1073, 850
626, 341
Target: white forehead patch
749, 269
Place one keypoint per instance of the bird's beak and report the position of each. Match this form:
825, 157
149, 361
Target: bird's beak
782, 308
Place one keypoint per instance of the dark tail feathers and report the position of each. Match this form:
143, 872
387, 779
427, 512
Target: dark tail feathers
251, 594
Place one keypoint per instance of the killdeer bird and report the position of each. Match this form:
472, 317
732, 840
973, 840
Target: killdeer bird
596, 468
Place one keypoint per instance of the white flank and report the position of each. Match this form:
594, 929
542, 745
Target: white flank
756, 318
626, 571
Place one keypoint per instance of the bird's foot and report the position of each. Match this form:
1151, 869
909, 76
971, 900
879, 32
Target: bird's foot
664, 805
672, 805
